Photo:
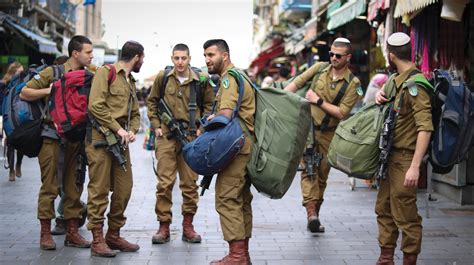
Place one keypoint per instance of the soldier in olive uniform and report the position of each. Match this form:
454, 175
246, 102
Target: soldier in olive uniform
328, 82
396, 200
114, 107
176, 93
39, 88
233, 196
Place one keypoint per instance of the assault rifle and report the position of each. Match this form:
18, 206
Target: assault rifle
177, 129
111, 143
385, 142
311, 157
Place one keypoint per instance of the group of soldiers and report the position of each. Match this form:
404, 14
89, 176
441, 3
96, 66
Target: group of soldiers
114, 107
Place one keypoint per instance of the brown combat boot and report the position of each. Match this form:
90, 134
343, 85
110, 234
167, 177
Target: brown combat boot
60, 227
99, 248
321, 228
386, 256
409, 259
116, 242
189, 235
11, 175
313, 220
18, 170
73, 238
162, 235
46, 240
237, 255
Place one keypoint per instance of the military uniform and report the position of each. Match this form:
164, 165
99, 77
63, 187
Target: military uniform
233, 196
176, 96
48, 160
327, 88
396, 204
109, 106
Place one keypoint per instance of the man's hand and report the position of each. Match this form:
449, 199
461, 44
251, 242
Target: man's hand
124, 136
411, 177
210, 117
158, 132
198, 132
132, 136
311, 96
380, 97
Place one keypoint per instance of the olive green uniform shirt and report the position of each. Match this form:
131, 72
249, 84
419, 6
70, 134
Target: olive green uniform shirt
228, 95
414, 114
176, 96
109, 105
327, 89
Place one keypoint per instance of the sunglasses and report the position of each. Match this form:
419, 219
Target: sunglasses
338, 56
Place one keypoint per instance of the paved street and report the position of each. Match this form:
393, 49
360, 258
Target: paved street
280, 235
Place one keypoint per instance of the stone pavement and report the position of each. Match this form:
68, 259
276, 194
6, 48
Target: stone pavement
280, 235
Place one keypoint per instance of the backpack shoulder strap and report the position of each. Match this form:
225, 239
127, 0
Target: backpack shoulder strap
323, 67
336, 101
164, 81
112, 73
58, 71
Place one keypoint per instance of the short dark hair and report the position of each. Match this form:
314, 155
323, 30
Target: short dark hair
346, 45
130, 49
76, 43
181, 47
401, 52
284, 71
220, 43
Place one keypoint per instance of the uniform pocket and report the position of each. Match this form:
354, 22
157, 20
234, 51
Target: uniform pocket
230, 188
118, 97
406, 209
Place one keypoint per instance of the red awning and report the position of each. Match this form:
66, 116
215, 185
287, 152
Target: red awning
267, 55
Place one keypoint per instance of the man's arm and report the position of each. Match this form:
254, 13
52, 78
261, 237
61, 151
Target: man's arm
39, 87
98, 95
413, 173
208, 100
135, 114
152, 102
301, 80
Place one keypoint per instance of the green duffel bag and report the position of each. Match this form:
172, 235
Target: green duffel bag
354, 149
282, 123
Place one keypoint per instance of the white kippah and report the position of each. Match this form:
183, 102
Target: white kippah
343, 40
398, 39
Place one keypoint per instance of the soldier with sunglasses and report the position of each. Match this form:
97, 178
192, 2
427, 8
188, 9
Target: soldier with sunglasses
333, 92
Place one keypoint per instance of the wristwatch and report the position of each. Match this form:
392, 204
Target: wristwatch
319, 102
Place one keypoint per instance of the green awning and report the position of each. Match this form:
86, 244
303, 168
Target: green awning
346, 13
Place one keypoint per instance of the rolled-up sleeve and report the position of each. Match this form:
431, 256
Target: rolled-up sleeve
421, 106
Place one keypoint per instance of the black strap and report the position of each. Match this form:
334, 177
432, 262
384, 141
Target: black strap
195, 97
192, 107
336, 101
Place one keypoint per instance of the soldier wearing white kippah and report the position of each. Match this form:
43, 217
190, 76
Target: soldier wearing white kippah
396, 200
334, 90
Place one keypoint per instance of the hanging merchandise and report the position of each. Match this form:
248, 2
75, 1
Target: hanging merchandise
424, 38
451, 44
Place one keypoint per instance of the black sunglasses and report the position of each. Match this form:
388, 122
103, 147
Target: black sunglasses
338, 56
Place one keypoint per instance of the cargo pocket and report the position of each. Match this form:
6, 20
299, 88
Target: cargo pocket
406, 210
230, 187
118, 97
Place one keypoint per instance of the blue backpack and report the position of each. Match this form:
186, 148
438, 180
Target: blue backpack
222, 141
453, 119
22, 120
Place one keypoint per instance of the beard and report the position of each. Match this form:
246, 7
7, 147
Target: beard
217, 67
392, 66
136, 67
339, 66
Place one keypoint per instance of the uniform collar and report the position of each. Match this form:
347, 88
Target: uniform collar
119, 67
346, 76
399, 79
67, 65
193, 75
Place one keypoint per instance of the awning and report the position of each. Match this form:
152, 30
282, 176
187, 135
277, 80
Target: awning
346, 13
267, 55
43, 44
404, 7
